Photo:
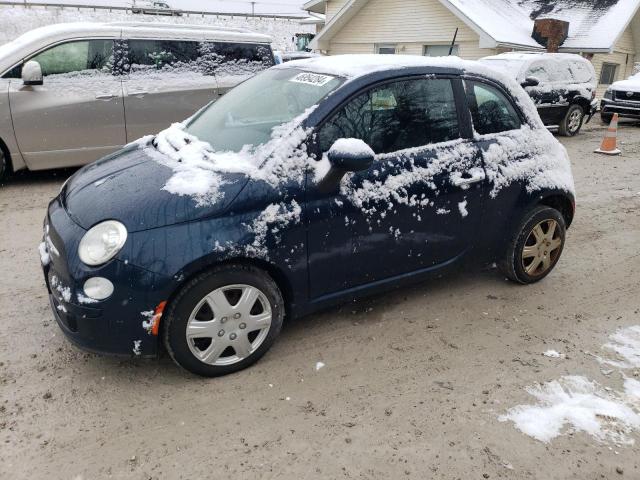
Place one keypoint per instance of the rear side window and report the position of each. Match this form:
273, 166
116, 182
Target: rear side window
207, 58
397, 116
491, 110
540, 71
581, 72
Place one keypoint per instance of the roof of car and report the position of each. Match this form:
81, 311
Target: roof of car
352, 66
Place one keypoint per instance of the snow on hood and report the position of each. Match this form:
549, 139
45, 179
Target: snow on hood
631, 84
198, 170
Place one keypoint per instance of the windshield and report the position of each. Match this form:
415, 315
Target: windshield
247, 114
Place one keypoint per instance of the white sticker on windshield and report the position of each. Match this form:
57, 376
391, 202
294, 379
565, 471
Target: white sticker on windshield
312, 79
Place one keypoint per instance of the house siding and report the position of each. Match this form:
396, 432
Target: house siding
624, 55
333, 7
410, 24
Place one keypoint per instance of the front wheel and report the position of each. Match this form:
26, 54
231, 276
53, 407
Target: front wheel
535, 247
223, 320
572, 122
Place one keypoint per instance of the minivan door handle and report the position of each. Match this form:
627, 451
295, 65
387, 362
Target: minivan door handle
105, 96
467, 179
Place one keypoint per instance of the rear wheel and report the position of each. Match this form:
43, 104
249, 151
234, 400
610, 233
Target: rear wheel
536, 246
572, 122
224, 320
4, 167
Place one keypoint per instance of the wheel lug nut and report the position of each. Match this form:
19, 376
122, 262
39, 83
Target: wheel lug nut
221, 333
243, 326
233, 336
224, 319
237, 315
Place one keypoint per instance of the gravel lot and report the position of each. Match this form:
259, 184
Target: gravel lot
413, 385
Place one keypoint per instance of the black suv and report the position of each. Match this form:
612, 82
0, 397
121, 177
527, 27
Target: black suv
562, 86
623, 98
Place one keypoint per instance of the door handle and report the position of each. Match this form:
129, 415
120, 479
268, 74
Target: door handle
105, 96
137, 94
473, 176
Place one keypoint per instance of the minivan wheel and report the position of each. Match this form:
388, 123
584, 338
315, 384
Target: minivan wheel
536, 246
223, 320
572, 122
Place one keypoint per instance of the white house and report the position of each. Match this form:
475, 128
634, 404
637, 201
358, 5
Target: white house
605, 31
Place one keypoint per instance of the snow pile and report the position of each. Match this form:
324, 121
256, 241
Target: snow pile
582, 405
553, 354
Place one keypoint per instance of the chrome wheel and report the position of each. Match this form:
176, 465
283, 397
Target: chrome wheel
228, 325
542, 248
575, 121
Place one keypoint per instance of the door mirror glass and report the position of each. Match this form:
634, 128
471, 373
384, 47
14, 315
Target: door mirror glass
350, 155
530, 82
32, 73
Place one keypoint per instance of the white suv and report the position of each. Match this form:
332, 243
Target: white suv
73, 93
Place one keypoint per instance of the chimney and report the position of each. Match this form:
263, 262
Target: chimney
550, 33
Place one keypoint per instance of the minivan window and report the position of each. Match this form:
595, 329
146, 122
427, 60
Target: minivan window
247, 115
397, 116
158, 54
491, 110
88, 56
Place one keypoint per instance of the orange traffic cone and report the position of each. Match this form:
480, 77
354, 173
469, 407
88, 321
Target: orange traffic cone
609, 143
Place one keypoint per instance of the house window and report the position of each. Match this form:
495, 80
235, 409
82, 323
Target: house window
608, 73
439, 50
386, 48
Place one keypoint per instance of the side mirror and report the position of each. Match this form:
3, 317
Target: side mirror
32, 73
346, 155
350, 155
530, 82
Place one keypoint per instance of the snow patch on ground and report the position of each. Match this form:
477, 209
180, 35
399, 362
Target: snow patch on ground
577, 404
319, 366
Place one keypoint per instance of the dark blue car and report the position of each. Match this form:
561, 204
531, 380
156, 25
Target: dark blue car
314, 183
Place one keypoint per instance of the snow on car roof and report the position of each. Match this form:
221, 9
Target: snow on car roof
352, 66
530, 56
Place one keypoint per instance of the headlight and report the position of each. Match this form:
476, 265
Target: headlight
102, 242
608, 94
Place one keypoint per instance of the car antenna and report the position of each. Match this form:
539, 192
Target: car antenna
453, 42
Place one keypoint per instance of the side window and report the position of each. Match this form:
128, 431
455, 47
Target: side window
234, 58
86, 56
540, 71
491, 110
145, 55
397, 116
580, 71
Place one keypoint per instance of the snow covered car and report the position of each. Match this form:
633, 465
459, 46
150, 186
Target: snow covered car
623, 98
312, 184
73, 93
153, 8
562, 85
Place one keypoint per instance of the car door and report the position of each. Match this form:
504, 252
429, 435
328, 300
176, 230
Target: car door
164, 83
416, 208
77, 115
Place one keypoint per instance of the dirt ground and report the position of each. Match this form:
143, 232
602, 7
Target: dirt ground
413, 385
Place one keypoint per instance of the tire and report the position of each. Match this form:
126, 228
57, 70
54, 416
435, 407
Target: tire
227, 333
572, 121
4, 167
519, 265
606, 118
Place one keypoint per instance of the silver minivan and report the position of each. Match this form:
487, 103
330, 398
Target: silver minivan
72, 93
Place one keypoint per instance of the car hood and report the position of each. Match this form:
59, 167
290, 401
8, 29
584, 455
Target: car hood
629, 85
128, 186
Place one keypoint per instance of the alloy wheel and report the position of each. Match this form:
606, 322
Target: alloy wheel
542, 248
575, 120
229, 324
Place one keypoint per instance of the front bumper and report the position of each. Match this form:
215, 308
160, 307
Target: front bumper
113, 326
622, 108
